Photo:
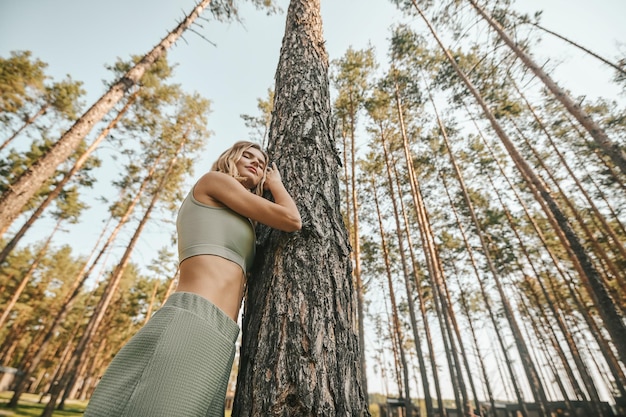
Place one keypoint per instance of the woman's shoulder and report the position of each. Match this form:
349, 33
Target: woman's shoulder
215, 176
215, 182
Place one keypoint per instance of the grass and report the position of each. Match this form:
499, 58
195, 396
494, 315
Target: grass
29, 406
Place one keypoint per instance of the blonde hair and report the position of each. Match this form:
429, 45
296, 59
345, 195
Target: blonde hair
227, 161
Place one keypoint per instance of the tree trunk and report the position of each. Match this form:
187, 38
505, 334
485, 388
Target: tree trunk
42, 110
59, 187
575, 297
28, 274
616, 240
582, 48
613, 150
300, 353
428, 402
611, 269
590, 277
356, 248
15, 197
396, 326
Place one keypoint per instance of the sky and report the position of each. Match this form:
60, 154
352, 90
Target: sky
80, 37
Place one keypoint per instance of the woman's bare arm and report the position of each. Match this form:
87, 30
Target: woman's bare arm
281, 214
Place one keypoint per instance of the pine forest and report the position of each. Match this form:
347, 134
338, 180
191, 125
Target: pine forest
463, 249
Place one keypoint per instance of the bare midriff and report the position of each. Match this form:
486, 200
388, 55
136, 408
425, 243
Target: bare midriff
217, 279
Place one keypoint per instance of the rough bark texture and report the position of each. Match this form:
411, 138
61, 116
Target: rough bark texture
300, 354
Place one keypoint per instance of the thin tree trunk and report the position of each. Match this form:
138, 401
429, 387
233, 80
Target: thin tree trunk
20, 192
590, 277
492, 316
600, 252
481, 361
582, 48
171, 286
151, 304
85, 388
400, 240
397, 327
616, 240
536, 385
52, 195
356, 250
420, 354
75, 288
613, 150
28, 274
584, 310
582, 369
30, 121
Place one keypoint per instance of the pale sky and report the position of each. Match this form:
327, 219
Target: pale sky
80, 37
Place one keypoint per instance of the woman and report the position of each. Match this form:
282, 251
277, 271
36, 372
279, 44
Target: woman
179, 363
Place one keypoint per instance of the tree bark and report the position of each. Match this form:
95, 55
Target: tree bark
591, 279
613, 150
52, 195
300, 353
18, 194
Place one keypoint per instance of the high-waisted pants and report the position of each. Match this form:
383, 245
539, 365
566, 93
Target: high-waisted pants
177, 365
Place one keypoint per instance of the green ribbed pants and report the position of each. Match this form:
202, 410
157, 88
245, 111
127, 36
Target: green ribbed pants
177, 365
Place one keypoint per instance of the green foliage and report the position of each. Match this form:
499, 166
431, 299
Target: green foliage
351, 75
16, 163
21, 77
63, 97
260, 125
226, 10
29, 406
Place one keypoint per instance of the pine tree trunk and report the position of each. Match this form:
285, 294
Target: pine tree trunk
590, 277
300, 353
428, 402
582, 48
42, 110
28, 274
575, 297
52, 195
356, 248
395, 323
17, 196
405, 270
617, 243
613, 150
601, 253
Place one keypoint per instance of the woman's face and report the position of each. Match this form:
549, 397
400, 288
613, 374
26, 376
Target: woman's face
251, 166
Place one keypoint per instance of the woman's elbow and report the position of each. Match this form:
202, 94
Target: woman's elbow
295, 224
292, 223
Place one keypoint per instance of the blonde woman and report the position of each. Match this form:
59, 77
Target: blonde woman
179, 363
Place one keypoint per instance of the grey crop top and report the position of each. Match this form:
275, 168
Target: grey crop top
206, 230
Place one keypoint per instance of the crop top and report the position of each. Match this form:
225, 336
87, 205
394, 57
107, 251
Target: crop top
206, 230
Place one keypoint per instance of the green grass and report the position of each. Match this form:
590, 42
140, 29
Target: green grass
29, 406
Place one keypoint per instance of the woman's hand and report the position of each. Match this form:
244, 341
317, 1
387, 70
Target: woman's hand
272, 177
281, 214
